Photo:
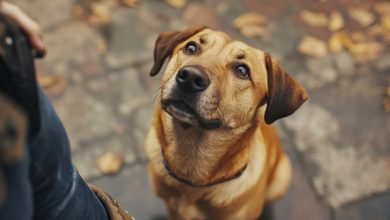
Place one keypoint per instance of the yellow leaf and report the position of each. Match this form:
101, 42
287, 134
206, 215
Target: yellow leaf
388, 91
358, 36
366, 50
385, 22
254, 32
110, 163
336, 21
54, 85
383, 8
335, 44
101, 13
176, 3
249, 19
78, 11
129, 3
361, 16
251, 25
338, 41
386, 105
312, 46
375, 31
314, 19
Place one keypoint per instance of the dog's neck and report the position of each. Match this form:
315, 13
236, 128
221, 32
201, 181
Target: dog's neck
204, 156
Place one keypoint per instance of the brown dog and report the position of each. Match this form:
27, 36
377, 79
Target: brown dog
212, 154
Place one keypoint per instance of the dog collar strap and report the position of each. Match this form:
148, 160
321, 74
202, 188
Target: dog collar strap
190, 183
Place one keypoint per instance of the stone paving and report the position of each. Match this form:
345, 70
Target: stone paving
338, 141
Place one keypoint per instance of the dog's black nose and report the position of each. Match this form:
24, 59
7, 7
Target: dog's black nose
192, 79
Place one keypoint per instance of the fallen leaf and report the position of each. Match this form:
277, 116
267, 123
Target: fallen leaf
386, 105
110, 163
385, 22
249, 19
312, 46
335, 43
366, 50
388, 91
387, 100
129, 3
361, 16
314, 19
54, 85
383, 8
251, 25
78, 11
375, 31
358, 36
341, 38
176, 3
336, 21
101, 14
254, 32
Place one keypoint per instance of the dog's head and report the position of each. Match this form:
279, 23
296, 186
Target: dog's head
213, 81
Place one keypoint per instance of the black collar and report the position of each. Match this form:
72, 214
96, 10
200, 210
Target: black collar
190, 183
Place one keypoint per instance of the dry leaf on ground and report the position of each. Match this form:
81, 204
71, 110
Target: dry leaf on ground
342, 38
361, 16
110, 163
366, 50
251, 25
176, 3
129, 3
388, 91
335, 43
383, 8
312, 46
385, 22
254, 32
336, 21
78, 11
376, 31
314, 19
249, 19
101, 14
358, 36
387, 105
387, 100
54, 85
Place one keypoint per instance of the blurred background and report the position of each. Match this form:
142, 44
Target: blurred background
96, 73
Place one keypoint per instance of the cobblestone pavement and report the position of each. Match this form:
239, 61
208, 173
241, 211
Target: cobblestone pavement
338, 141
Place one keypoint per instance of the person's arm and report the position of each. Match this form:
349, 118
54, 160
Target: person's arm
32, 29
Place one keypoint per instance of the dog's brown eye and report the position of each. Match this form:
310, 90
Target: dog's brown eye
191, 48
242, 71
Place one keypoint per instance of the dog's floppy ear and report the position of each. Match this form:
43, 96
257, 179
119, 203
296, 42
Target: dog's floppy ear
166, 43
285, 95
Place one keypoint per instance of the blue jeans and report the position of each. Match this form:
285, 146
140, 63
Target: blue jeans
45, 184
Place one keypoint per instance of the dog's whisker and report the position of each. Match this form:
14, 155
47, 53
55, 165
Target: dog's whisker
158, 93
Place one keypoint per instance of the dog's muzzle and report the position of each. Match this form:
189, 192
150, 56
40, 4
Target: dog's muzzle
192, 79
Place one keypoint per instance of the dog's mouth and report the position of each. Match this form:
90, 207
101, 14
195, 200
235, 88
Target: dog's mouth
187, 115
180, 111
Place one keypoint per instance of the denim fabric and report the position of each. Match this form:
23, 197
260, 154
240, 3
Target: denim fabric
18, 204
58, 192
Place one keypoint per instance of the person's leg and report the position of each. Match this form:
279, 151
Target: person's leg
58, 190
18, 198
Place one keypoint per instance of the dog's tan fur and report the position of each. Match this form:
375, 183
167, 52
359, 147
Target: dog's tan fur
244, 137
